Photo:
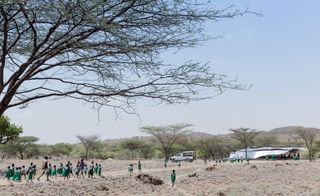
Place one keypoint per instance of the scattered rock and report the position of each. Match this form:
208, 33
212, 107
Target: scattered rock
103, 188
211, 168
221, 194
193, 175
278, 164
253, 167
147, 179
288, 163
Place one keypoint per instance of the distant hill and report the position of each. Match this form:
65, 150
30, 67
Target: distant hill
285, 130
286, 135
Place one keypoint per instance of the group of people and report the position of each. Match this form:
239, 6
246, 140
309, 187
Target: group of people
52, 171
130, 168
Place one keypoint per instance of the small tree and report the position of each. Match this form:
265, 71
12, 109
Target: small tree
308, 135
23, 143
245, 136
132, 145
146, 151
214, 147
61, 149
8, 131
167, 135
89, 143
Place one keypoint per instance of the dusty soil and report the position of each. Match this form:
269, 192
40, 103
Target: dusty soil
256, 178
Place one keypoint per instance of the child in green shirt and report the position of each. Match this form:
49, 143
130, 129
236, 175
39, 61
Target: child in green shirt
30, 172
173, 177
96, 168
139, 166
17, 175
60, 169
65, 172
8, 173
130, 169
90, 173
85, 169
99, 170
49, 171
77, 170
54, 171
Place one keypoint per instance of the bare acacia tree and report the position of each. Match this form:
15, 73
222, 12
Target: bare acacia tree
214, 146
103, 52
89, 143
308, 135
168, 135
245, 136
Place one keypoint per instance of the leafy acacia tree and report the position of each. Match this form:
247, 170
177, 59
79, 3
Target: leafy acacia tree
215, 147
103, 52
23, 143
167, 135
8, 131
245, 136
132, 145
89, 143
61, 149
308, 135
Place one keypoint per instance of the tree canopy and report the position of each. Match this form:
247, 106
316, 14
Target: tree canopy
245, 136
89, 143
104, 52
167, 135
8, 131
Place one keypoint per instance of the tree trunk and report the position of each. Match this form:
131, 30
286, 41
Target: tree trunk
87, 153
246, 152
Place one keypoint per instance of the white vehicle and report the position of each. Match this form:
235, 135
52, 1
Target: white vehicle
184, 156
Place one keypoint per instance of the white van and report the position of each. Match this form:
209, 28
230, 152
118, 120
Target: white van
184, 156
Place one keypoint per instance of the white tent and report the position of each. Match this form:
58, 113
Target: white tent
255, 153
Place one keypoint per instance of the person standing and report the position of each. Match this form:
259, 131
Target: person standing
44, 167
173, 177
82, 167
139, 166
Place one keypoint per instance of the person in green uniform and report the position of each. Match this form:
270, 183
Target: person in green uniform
65, 172
273, 156
70, 169
77, 170
91, 171
17, 175
54, 172
139, 166
130, 169
173, 177
96, 168
49, 171
30, 173
60, 170
85, 169
99, 170
8, 173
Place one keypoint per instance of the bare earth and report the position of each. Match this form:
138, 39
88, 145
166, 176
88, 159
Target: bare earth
256, 178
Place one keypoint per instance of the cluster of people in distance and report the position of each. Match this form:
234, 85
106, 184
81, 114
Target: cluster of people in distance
65, 171
130, 168
52, 171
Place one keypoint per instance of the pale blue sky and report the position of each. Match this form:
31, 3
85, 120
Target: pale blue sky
278, 53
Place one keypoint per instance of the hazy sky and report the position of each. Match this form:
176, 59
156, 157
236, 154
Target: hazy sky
278, 53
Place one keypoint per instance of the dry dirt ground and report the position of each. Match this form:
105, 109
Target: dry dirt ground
256, 178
